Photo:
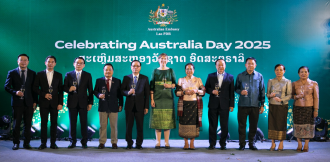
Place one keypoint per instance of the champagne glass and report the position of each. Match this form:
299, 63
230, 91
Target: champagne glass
274, 90
50, 90
75, 83
246, 87
217, 88
302, 91
133, 87
103, 92
22, 90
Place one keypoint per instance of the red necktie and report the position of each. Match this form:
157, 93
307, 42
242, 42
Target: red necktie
108, 84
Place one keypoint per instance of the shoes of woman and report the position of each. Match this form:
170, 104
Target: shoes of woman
273, 148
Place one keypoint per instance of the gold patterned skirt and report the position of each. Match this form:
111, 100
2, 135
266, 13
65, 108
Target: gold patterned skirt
277, 122
303, 122
188, 122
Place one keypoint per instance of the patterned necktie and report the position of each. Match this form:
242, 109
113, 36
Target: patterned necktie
23, 77
135, 80
78, 78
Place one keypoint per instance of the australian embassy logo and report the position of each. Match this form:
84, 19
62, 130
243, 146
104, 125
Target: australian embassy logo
163, 16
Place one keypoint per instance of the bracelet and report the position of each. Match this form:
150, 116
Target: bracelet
316, 110
184, 92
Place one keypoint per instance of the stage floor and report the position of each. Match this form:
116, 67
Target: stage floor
318, 151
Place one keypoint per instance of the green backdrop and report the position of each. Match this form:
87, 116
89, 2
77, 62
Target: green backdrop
293, 33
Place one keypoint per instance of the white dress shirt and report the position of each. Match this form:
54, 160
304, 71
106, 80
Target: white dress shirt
220, 78
49, 75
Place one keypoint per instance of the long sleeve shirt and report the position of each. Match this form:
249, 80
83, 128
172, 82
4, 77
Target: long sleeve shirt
256, 89
311, 94
282, 90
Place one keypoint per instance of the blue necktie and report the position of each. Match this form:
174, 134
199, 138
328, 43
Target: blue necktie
135, 80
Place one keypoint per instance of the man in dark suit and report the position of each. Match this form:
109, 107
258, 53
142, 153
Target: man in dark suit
220, 102
76, 84
49, 86
107, 90
137, 102
19, 84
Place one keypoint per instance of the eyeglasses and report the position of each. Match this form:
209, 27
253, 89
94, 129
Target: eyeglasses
79, 63
135, 66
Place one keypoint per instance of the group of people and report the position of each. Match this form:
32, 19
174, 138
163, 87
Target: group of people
25, 86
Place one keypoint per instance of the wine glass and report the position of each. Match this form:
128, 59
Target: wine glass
50, 90
302, 91
22, 90
246, 87
103, 92
75, 83
217, 88
274, 90
133, 87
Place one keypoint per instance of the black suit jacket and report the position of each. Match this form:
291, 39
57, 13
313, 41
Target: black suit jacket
13, 84
142, 93
226, 92
113, 99
81, 98
41, 87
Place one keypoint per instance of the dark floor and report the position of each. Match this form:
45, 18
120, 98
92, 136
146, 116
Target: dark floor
319, 151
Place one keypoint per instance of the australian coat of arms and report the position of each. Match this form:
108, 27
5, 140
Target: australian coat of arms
163, 16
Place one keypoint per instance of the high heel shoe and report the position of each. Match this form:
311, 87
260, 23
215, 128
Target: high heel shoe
273, 149
305, 150
282, 149
299, 149
186, 146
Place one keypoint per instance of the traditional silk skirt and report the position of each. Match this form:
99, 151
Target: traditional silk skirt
188, 122
303, 122
277, 122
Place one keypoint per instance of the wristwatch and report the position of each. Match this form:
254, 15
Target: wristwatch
184, 92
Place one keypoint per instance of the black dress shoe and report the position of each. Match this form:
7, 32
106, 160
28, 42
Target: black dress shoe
101, 146
114, 146
27, 146
15, 147
42, 146
139, 147
241, 148
84, 145
157, 147
223, 148
211, 147
252, 147
129, 147
167, 147
72, 145
53, 146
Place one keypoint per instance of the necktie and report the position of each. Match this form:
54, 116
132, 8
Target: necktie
108, 84
135, 80
23, 77
78, 78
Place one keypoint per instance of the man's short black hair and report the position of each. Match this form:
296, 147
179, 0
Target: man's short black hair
108, 64
23, 54
219, 60
79, 58
136, 61
50, 56
250, 58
